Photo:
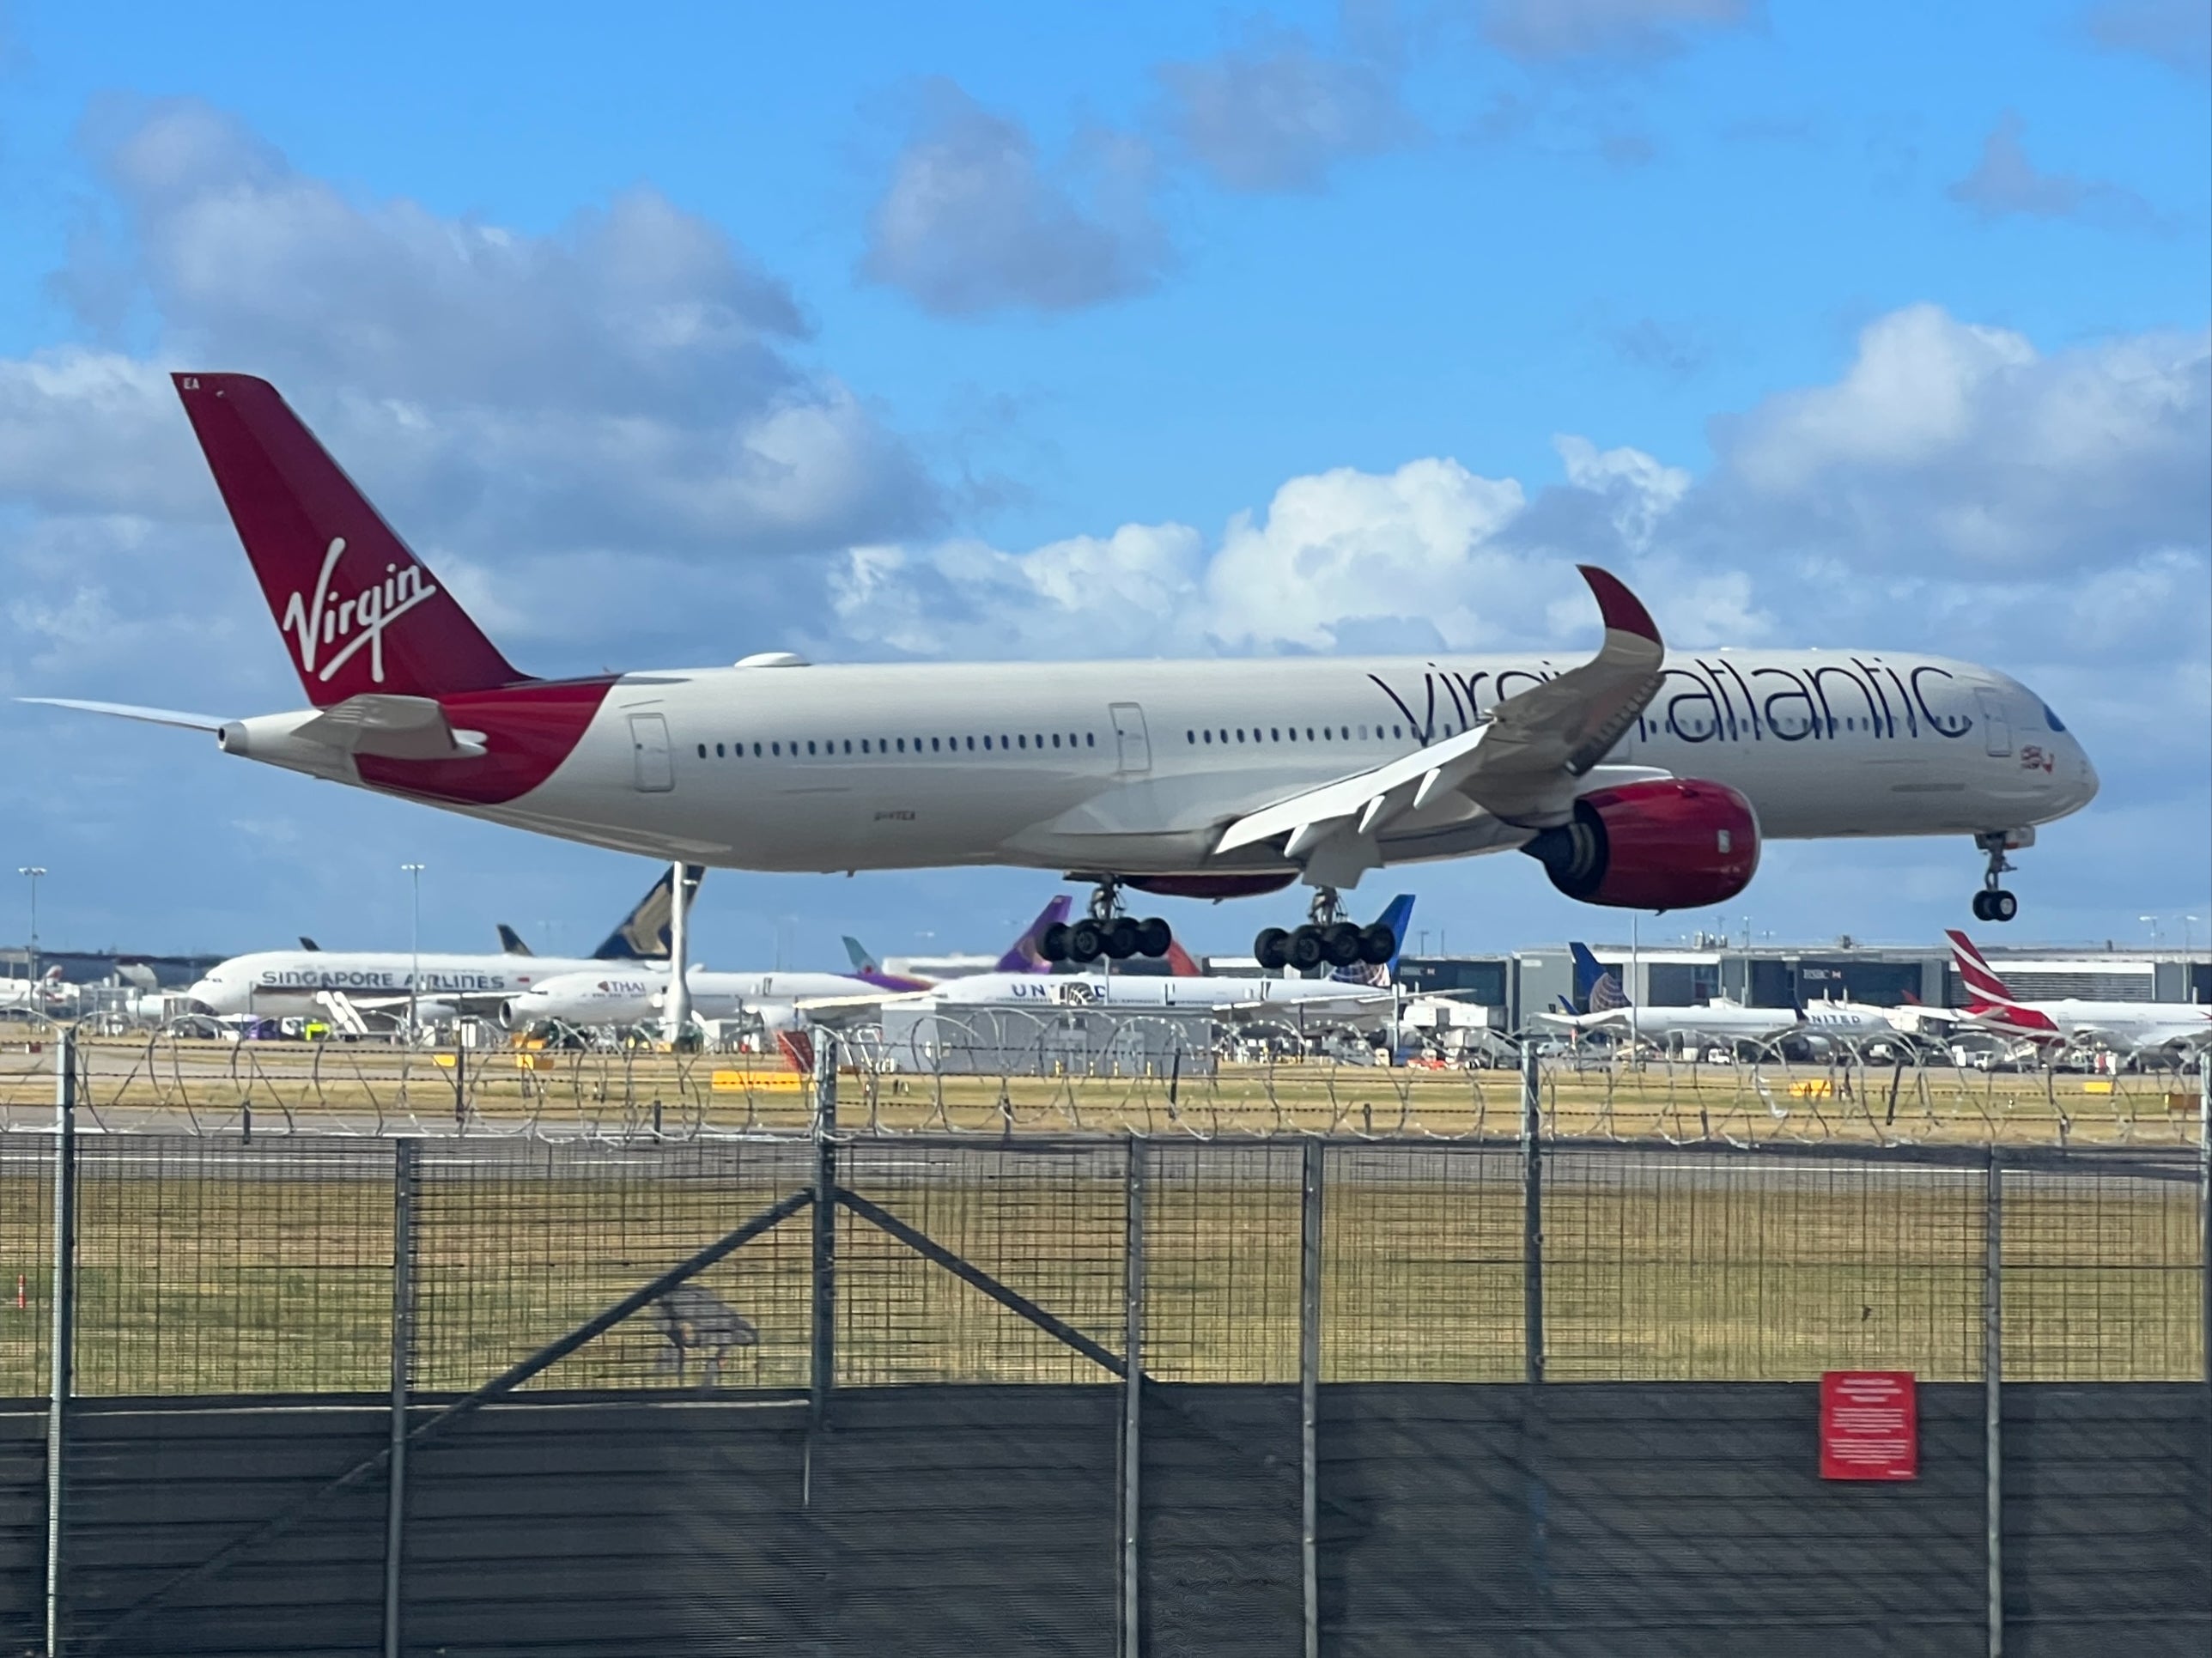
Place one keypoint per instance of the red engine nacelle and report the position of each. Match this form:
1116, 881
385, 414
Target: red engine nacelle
1669, 844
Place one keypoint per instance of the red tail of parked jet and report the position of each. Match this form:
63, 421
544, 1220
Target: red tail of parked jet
336, 576
1988, 997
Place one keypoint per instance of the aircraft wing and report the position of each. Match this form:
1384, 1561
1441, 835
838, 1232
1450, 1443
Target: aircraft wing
1520, 762
2195, 1034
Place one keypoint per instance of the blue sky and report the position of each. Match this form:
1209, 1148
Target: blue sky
1875, 325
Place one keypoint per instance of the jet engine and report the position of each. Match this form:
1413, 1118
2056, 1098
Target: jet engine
1666, 844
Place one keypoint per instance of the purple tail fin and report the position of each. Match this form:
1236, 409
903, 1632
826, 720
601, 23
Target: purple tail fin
1026, 957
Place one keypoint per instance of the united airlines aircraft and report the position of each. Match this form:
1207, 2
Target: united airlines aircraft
1639, 779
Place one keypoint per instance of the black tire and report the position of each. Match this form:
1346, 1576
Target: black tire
1121, 937
1340, 944
1154, 936
1053, 944
2003, 906
1086, 943
1982, 906
1307, 949
1377, 944
1273, 947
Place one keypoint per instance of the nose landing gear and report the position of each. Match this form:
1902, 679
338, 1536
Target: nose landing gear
1106, 932
1327, 939
1993, 902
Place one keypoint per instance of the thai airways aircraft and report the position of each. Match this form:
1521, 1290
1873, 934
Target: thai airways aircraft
2132, 1027
592, 999
1637, 779
272, 983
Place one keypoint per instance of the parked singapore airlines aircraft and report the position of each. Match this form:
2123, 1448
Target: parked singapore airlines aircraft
632, 998
1719, 1020
275, 982
2131, 1027
1639, 780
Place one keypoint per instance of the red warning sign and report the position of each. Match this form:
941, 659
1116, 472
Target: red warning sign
1869, 1426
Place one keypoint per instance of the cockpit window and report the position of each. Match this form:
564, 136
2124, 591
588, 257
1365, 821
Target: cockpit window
2053, 719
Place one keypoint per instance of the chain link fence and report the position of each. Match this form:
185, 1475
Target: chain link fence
920, 1353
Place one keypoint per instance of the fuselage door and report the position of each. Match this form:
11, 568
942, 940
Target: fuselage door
1132, 746
1997, 730
649, 742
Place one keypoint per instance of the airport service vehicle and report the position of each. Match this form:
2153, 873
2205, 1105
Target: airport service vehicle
590, 999
1610, 1009
1638, 778
432, 986
2128, 1027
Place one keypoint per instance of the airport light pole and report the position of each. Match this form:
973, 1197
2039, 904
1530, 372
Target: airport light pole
33, 872
2152, 921
414, 873
2188, 936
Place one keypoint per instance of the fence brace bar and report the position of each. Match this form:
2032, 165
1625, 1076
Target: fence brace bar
821, 1366
61, 1350
1993, 1395
1310, 1245
1133, 1398
402, 1351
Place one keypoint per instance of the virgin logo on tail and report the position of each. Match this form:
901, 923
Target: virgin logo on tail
357, 621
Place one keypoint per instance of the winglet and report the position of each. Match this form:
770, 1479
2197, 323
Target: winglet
1623, 611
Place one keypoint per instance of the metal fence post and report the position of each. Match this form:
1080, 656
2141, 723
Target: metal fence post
2204, 1207
1132, 1382
1993, 1395
822, 1368
61, 1352
1310, 1245
402, 1354
1534, 1432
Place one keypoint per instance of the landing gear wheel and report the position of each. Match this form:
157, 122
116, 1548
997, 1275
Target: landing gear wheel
1377, 944
1340, 944
1053, 944
1121, 939
1273, 947
1307, 949
1993, 902
1154, 936
1086, 942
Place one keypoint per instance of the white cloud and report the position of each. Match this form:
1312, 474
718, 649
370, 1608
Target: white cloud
971, 221
1551, 30
2004, 183
630, 379
1277, 112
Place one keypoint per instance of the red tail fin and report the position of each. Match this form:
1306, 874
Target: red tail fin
358, 610
1980, 979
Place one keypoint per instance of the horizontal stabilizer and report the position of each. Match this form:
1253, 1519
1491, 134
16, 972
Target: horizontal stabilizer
190, 722
392, 727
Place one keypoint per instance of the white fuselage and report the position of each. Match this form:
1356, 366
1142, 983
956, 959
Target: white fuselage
1244, 998
1135, 767
636, 996
1732, 1021
2115, 1025
276, 982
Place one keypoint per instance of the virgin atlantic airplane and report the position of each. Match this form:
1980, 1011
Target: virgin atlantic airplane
1637, 780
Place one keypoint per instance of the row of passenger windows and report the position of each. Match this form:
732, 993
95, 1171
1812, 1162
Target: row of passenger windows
777, 749
1289, 734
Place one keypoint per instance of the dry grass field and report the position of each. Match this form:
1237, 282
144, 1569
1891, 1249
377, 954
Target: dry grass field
206, 1266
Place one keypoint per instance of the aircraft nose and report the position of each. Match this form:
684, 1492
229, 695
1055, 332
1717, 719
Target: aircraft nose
2081, 786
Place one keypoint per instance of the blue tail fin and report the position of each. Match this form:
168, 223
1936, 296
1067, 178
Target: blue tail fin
1597, 987
857, 953
1025, 956
510, 941
643, 933
1396, 917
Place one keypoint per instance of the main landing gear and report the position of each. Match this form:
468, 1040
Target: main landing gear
1105, 931
1993, 902
1325, 940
